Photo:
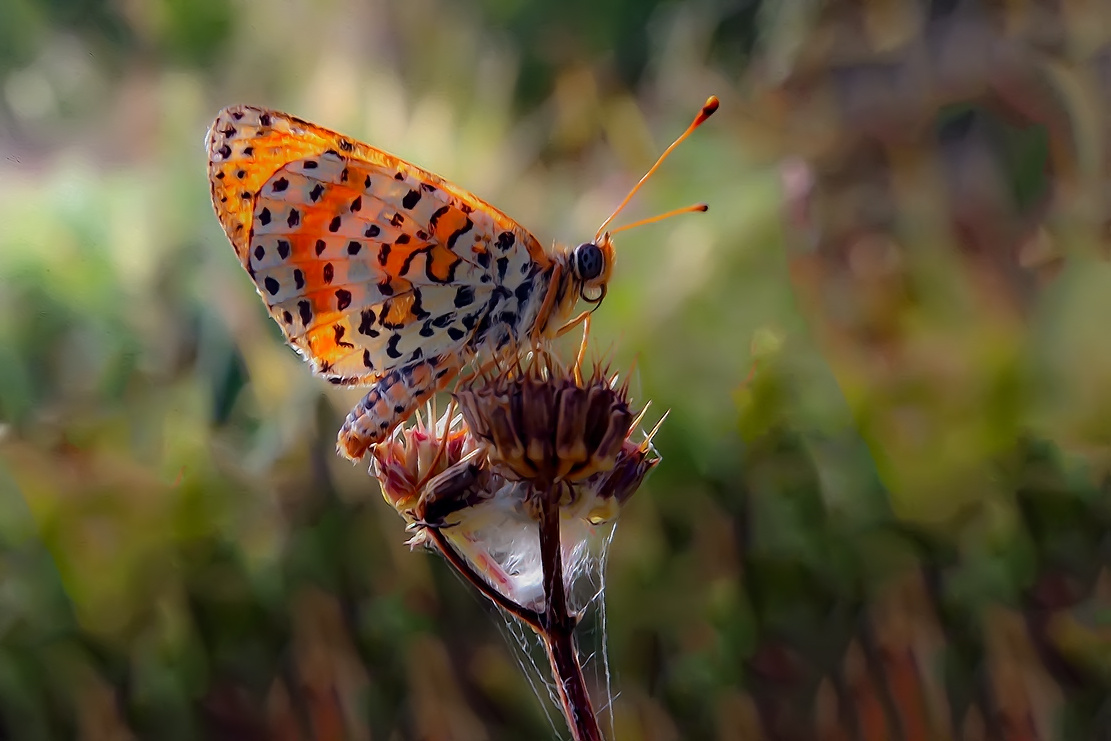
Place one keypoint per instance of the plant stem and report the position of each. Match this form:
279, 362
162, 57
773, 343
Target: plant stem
558, 626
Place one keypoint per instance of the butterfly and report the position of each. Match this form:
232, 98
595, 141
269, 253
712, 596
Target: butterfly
381, 273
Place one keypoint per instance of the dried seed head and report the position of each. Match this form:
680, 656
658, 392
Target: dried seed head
540, 424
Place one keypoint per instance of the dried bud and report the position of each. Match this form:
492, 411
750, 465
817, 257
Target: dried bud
600, 497
465, 484
542, 425
420, 455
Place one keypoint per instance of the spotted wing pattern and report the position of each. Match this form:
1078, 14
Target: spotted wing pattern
377, 271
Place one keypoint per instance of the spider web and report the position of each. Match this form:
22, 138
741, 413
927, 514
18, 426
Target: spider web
586, 555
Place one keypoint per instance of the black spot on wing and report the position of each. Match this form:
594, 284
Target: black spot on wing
339, 330
417, 306
366, 323
464, 296
391, 346
523, 292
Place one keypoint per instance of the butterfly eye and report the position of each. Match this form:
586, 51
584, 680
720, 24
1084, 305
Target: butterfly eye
588, 261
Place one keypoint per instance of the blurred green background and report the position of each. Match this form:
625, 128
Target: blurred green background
883, 508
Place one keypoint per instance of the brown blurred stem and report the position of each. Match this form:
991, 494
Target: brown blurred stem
557, 628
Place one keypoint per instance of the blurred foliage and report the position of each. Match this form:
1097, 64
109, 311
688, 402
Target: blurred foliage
883, 507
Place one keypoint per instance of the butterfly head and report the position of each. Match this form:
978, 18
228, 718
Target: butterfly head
592, 264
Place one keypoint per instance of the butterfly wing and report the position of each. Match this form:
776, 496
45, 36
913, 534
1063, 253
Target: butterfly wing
367, 263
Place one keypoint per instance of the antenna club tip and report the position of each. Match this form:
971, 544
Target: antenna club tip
703, 207
708, 108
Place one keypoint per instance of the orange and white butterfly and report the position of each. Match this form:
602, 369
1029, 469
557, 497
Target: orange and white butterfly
381, 273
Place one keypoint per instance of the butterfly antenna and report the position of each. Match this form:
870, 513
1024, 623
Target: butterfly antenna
696, 208
708, 109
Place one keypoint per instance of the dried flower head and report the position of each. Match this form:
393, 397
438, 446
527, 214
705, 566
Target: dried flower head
425, 463
542, 424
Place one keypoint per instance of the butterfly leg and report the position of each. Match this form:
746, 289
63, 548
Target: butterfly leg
583, 319
581, 356
546, 306
391, 400
465, 380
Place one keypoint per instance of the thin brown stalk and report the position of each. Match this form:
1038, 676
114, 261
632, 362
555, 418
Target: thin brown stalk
557, 629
